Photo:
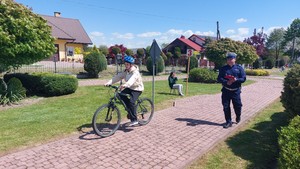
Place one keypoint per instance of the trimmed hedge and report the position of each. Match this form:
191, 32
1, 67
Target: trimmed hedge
289, 144
46, 84
203, 75
159, 63
257, 72
290, 97
94, 63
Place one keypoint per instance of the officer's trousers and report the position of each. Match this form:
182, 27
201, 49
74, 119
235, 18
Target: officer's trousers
235, 97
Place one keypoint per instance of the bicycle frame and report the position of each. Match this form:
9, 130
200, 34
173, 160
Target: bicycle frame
113, 100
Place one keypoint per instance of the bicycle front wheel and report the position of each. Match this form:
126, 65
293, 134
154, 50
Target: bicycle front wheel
106, 120
145, 110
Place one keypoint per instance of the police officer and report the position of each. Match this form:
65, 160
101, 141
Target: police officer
231, 76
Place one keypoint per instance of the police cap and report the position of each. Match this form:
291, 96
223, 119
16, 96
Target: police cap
231, 55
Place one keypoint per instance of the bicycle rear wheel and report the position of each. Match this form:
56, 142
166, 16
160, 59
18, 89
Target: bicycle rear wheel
145, 110
106, 120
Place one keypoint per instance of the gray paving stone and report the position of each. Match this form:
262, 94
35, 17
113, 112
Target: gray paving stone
173, 139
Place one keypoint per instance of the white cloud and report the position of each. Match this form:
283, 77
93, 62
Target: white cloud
269, 30
243, 31
209, 33
145, 39
149, 34
123, 36
240, 34
230, 31
187, 33
241, 20
237, 37
97, 34
174, 32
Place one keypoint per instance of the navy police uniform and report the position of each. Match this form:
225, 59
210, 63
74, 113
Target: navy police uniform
233, 91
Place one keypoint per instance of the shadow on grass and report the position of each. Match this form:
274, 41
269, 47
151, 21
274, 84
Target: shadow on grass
194, 122
259, 144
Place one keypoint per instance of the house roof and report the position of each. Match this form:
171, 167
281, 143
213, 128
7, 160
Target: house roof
200, 39
190, 43
67, 29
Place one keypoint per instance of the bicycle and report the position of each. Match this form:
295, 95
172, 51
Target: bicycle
107, 118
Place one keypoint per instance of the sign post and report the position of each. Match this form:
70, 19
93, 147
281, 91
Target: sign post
155, 54
189, 53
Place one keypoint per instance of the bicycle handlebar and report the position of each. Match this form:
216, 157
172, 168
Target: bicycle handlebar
120, 93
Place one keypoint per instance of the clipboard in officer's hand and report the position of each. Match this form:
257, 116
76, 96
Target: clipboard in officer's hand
229, 77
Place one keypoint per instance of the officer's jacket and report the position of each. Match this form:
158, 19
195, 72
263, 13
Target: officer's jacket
237, 71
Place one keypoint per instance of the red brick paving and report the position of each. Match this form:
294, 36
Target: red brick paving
173, 139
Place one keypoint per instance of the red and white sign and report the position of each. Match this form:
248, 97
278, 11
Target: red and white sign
189, 52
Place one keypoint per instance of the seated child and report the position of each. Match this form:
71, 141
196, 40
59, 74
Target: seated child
172, 83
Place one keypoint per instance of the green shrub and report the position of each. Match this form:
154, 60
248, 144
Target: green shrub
56, 85
46, 84
289, 145
94, 62
257, 64
269, 63
30, 82
257, 72
203, 75
290, 97
160, 66
3, 68
193, 63
11, 92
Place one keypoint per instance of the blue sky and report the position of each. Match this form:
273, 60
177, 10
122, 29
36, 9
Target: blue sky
135, 23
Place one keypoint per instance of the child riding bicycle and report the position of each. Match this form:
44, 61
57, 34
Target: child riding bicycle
133, 86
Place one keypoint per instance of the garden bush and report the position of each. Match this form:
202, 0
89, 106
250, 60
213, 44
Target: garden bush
289, 145
290, 97
269, 63
203, 75
257, 64
30, 82
56, 85
94, 62
193, 63
257, 72
160, 65
46, 84
12, 91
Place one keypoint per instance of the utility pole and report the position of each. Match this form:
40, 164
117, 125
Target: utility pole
218, 31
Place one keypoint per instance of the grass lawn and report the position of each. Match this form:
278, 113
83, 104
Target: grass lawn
57, 117
254, 146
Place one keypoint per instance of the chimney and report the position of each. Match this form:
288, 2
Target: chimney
182, 37
57, 14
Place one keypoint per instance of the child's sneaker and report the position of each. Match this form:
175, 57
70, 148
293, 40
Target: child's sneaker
133, 123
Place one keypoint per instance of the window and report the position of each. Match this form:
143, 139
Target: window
70, 51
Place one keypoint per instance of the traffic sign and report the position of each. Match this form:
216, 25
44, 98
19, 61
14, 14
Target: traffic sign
189, 52
154, 51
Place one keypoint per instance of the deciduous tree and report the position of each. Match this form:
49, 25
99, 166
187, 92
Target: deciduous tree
274, 42
292, 36
216, 52
258, 42
25, 37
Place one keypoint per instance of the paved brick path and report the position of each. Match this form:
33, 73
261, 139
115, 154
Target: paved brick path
173, 139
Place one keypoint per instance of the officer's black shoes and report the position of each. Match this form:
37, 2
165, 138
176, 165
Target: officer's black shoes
227, 125
238, 119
